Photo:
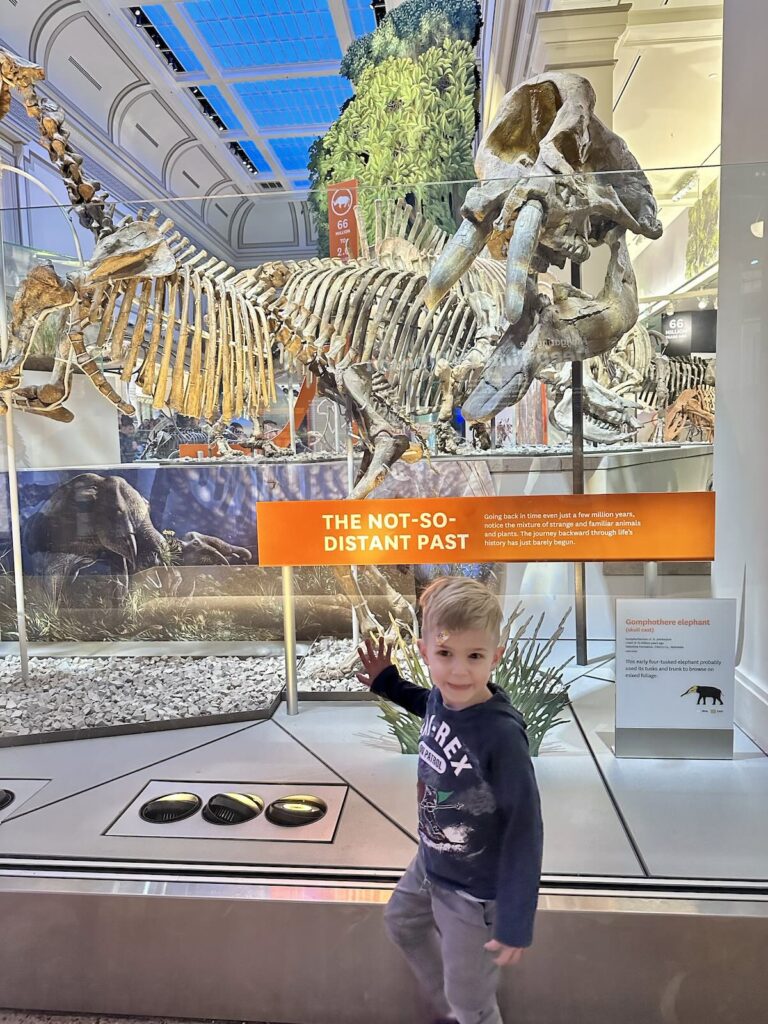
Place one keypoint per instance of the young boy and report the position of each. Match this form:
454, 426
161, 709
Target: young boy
466, 904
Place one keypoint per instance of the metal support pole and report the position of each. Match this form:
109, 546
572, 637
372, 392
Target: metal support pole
651, 574
13, 487
289, 634
336, 429
577, 462
350, 488
291, 421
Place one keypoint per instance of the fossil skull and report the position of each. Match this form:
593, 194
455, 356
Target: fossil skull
554, 183
134, 249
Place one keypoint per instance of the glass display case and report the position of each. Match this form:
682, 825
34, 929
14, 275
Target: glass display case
277, 382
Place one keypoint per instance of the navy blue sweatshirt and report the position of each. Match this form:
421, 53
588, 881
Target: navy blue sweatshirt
479, 814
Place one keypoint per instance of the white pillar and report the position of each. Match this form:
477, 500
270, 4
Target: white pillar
582, 40
741, 478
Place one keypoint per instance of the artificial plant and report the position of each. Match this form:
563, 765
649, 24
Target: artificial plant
410, 29
701, 252
413, 117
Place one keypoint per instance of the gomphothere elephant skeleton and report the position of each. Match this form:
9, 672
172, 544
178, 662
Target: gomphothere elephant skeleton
555, 183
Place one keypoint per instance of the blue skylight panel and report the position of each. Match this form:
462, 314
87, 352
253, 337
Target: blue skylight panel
293, 153
362, 16
256, 156
304, 183
252, 33
159, 18
220, 105
293, 102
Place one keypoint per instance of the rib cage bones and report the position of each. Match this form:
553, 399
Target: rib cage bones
202, 334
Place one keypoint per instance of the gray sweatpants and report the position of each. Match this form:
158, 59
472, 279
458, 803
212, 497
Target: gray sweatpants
442, 934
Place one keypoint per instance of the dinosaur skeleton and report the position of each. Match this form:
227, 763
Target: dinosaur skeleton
692, 413
610, 385
608, 417
375, 349
638, 377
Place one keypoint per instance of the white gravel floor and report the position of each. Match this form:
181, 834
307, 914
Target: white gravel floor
82, 693
79, 693
321, 669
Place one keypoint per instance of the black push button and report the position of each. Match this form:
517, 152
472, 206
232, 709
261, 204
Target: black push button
292, 811
169, 808
232, 808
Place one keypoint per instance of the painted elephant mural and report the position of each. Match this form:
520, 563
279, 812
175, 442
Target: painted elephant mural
93, 518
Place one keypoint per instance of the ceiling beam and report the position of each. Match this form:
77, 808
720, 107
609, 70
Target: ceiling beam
286, 132
262, 73
342, 23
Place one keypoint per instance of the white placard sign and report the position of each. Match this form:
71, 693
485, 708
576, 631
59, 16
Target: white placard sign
675, 677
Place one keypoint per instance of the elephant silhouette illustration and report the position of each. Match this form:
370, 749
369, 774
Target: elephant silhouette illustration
704, 693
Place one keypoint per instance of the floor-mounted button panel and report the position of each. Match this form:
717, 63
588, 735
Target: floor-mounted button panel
293, 812
14, 793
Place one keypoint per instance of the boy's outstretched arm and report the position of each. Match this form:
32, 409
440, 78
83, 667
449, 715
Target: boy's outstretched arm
517, 889
382, 677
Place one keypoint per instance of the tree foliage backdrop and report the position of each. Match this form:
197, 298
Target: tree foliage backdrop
413, 117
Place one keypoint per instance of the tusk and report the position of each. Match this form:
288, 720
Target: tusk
456, 257
522, 246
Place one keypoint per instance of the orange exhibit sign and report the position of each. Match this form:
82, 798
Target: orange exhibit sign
549, 528
342, 222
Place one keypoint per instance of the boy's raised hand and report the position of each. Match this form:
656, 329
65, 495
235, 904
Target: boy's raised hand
508, 955
374, 659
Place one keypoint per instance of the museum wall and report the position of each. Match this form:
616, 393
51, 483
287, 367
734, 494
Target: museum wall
90, 440
741, 480
32, 222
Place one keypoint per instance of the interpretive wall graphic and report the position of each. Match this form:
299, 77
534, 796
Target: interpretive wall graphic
586, 527
170, 552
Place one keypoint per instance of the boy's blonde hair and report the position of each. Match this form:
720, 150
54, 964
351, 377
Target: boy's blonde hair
454, 603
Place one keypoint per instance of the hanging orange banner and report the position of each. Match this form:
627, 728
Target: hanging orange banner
342, 222
549, 528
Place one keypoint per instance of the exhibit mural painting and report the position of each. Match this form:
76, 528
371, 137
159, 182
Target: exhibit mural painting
171, 553
160, 553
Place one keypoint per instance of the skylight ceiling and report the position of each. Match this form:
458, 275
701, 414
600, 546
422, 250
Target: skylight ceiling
265, 72
247, 33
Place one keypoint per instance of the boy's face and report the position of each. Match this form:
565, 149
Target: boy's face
460, 663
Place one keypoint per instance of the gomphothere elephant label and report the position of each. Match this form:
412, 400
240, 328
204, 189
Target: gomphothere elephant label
675, 677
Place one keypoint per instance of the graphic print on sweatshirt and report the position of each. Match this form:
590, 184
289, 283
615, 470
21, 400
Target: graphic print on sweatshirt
453, 796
